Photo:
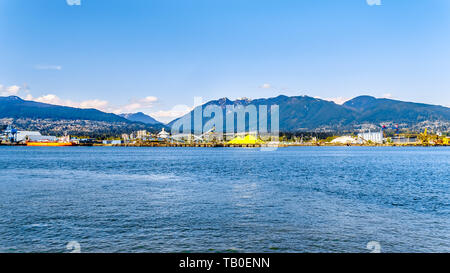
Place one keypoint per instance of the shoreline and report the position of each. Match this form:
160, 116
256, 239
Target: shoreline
218, 145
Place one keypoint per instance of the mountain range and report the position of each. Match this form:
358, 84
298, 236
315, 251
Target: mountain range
304, 113
297, 113
15, 107
55, 119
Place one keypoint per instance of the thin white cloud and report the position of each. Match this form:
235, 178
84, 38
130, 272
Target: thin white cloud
102, 105
48, 67
128, 108
28, 97
373, 2
53, 99
387, 96
136, 105
149, 99
12, 90
96, 104
169, 115
266, 86
73, 2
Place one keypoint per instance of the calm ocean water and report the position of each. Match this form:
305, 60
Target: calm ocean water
299, 199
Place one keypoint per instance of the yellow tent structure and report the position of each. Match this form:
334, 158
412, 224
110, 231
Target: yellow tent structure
245, 141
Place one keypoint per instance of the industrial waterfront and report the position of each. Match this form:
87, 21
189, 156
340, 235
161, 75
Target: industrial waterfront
14, 137
295, 199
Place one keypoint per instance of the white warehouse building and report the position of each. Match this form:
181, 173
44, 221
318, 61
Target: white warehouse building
22, 136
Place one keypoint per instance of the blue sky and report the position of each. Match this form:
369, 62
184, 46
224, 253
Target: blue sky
155, 56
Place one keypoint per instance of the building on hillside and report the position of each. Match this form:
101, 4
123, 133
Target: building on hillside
142, 134
375, 137
126, 137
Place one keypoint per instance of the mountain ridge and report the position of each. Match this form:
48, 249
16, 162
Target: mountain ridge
297, 113
15, 107
302, 113
140, 117
49, 118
